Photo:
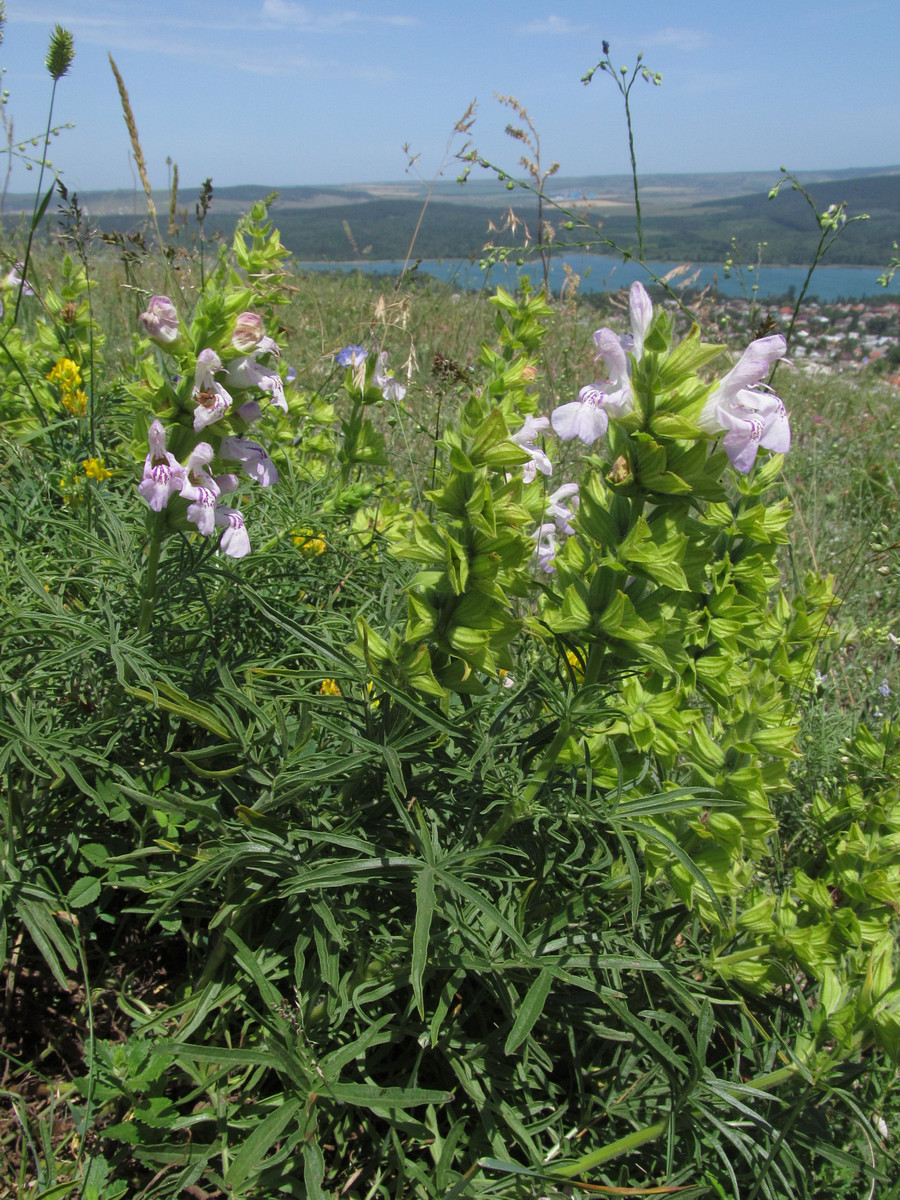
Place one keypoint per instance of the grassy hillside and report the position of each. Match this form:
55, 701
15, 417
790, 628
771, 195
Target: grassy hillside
687, 218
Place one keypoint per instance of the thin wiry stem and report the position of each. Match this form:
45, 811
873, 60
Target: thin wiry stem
34, 213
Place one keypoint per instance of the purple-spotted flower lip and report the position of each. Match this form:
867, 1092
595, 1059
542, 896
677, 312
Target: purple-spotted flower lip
545, 546
246, 372
208, 395
252, 457
200, 488
560, 512
744, 411
585, 418
235, 540
525, 439
351, 356
163, 473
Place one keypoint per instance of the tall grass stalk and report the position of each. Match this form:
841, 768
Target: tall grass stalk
59, 58
625, 84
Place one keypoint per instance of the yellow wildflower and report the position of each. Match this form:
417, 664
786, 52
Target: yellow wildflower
329, 688
71, 486
94, 469
75, 403
66, 375
309, 543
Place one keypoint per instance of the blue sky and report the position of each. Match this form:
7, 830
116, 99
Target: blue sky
279, 92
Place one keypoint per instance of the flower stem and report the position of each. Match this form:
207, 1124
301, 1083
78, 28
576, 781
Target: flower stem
639, 1137
37, 202
623, 1145
148, 598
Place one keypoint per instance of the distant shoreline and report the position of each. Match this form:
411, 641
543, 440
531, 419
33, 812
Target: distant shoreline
600, 274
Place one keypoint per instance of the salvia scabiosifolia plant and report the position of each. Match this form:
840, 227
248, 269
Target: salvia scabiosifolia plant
444, 844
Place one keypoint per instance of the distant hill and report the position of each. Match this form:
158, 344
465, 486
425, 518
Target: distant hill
687, 218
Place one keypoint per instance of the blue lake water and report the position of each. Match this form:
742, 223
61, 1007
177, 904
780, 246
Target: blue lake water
601, 274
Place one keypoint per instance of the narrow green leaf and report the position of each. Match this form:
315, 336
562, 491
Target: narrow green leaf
532, 1007
367, 1095
481, 901
314, 1171
61, 1189
183, 706
42, 208
251, 964
249, 1158
686, 861
234, 1056
421, 933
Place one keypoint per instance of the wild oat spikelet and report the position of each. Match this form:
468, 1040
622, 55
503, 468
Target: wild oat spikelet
133, 134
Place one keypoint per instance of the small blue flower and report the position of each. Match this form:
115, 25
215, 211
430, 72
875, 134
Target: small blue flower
883, 688
351, 356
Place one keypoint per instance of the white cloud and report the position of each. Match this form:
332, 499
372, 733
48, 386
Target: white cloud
679, 39
103, 21
116, 26
281, 13
552, 26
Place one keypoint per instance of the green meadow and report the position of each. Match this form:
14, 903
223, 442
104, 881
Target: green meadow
449, 742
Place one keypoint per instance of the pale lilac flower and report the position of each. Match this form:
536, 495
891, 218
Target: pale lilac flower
247, 372
884, 688
248, 332
749, 417
235, 540
383, 378
613, 348
228, 483
617, 385
524, 437
351, 356
585, 418
254, 460
290, 375
210, 397
163, 473
545, 547
200, 488
161, 320
641, 309
250, 411
13, 279
561, 513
